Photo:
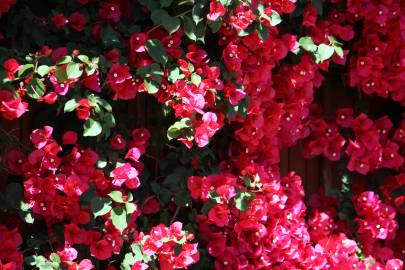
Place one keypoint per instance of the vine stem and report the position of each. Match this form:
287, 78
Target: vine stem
26, 250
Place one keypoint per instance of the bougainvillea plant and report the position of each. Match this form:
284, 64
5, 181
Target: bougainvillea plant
156, 129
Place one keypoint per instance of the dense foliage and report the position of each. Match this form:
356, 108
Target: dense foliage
158, 126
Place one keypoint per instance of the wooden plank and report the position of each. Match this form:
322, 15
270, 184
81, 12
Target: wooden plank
296, 161
312, 178
334, 95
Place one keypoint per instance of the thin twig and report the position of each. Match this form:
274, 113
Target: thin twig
14, 138
171, 146
175, 215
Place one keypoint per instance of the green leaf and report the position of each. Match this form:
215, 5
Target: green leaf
108, 120
174, 75
195, 32
151, 86
144, 71
109, 37
104, 104
150, 4
28, 218
90, 69
332, 40
198, 11
170, 23
119, 217
84, 58
60, 74
101, 163
137, 253
129, 259
116, 196
226, 2
174, 130
92, 99
157, 15
156, 72
64, 60
43, 70
35, 88
100, 206
70, 105
156, 51
241, 200
165, 3
247, 31
130, 197
275, 18
25, 70
307, 44
195, 79
339, 51
262, 31
325, 52
54, 257
131, 207
42, 263
92, 128
215, 26
74, 70
25, 212
215, 197
97, 59
189, 28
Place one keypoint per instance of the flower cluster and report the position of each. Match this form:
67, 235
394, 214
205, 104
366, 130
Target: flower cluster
278, 108
259, 227
376, 220
372, 148
377, 65
65, 179
193, 92
10, 257
324, 139
55, 187
374, 145
389, 187
11, 108
170, 245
